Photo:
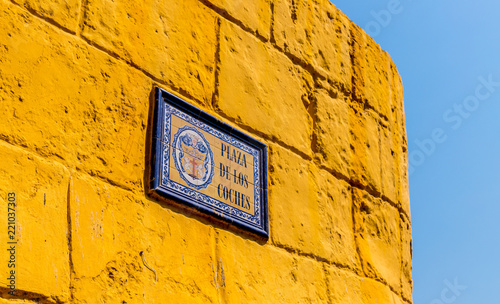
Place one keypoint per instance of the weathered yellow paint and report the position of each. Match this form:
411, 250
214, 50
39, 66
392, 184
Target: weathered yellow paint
42, 253
76, 87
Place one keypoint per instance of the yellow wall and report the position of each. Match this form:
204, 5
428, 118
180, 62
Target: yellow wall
76, 89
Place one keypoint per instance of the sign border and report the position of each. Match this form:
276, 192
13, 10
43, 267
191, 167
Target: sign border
167, 104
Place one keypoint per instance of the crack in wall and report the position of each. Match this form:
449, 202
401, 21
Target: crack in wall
226, 15
70, 240
82, 16
46, 19
217, 64
311, 256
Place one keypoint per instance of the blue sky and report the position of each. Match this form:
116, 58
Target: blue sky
448, 55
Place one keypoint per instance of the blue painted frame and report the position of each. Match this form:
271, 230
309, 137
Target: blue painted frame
168, 104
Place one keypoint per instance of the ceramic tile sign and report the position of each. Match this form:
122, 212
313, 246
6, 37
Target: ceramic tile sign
203, 163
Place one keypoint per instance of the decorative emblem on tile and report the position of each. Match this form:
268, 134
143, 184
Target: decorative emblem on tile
193, 157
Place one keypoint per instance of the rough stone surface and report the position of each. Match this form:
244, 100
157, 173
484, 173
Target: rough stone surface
332, 132
344, 287
390, 162
292, 27
253, 15
332, 56
336, 236
357, 52
293, 216
399, 131
371, 72
405, 186
40, 188
378, 238
300, 28
110, 227
12, 301
365, 166
399, 144
376, 78
406, 255
70, 102
311, 212
64, 13
76, 85
174, 41
262, 89
287, 277
397, 102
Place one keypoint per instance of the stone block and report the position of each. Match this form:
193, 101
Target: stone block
364, 138
41, 254
292, 212
64, 13
318, 34
371, 72
390, 162
376, 292
358, 55
397, 100
263, 90
343, 286
346, 287
253, 15
332, 132
174, 41
400, 143
16, 301
336, 237
70, 102
249, 272
376, 77
110, 229
405, 187
331, 45
378, 238
310, 210
406, 255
